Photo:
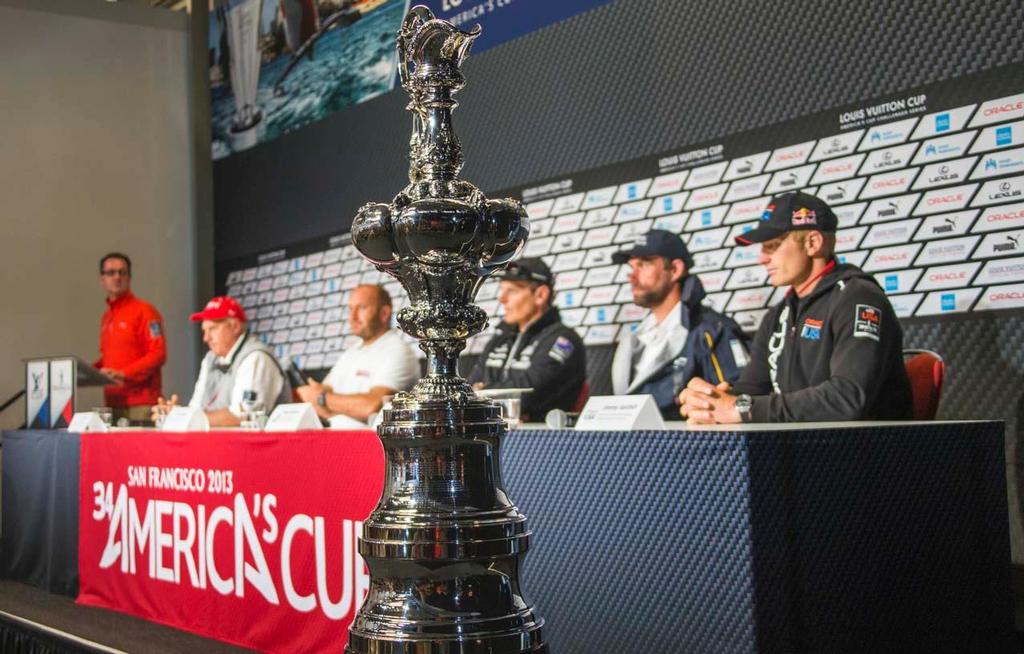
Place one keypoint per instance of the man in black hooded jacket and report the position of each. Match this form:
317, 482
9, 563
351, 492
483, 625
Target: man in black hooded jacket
831, 350
532, 347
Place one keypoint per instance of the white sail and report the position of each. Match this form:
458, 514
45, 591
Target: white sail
243, 28
292, 11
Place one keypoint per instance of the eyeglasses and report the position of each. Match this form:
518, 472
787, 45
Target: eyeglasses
112, 273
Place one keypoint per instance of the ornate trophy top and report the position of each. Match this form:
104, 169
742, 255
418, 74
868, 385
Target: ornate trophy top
440, 237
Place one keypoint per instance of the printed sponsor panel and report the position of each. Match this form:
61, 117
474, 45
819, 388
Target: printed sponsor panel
1010, 296
898, 281
995, 164
946, 224
951, 276
932, 204
941, 122
948, 301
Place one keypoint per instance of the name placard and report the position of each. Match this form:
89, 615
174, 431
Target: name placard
86, 421
293, 417
186, 418
620, 413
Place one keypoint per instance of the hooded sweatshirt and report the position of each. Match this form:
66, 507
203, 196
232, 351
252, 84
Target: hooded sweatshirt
836, 354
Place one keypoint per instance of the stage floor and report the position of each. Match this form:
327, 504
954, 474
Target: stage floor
101, 627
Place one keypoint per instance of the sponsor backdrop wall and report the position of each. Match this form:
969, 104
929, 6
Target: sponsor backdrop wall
607, 123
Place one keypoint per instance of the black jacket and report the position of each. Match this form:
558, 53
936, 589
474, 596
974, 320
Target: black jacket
841, 355
548, 357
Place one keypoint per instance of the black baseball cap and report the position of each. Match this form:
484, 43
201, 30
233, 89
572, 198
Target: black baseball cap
527, 270
790, 212
656, 243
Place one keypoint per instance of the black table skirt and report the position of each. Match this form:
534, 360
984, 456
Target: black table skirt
838, 539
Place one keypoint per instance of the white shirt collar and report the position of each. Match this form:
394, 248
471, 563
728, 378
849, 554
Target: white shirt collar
226, 360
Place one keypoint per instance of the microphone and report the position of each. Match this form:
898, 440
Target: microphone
558, 419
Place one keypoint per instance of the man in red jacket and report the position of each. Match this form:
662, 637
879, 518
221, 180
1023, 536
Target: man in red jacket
132, 343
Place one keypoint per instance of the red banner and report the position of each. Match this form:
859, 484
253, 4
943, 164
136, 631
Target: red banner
245, 537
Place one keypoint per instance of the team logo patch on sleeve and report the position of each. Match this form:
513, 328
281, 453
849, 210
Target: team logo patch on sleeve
155, 330
562, 349
811, 329
867, 322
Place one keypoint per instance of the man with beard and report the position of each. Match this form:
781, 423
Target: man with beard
680, 338
365, 375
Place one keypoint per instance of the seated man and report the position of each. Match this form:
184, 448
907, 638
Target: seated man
238, 366
365, 375
830, 350
532, 348
680, 338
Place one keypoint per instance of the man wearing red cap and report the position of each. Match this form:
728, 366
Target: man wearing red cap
238, 367
132, 343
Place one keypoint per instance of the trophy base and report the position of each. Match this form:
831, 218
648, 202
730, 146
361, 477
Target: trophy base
462, 646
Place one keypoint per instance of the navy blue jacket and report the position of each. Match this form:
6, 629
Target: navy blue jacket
715, 349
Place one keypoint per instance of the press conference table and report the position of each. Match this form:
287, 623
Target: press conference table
812, 537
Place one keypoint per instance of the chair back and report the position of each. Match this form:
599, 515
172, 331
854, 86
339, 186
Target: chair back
927, 371
581, 399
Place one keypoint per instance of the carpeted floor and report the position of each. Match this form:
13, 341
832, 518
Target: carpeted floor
114, 630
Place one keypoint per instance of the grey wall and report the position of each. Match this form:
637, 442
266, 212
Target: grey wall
96, 155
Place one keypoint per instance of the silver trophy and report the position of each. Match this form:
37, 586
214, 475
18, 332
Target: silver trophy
445, 544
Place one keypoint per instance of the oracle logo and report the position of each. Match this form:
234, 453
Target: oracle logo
999, 217
947, 276
1004, 108
832, 170
943, 199
886, 258
786, 156
1006, 295
885, 183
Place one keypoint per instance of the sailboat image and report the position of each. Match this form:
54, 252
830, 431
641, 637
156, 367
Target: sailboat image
242, 24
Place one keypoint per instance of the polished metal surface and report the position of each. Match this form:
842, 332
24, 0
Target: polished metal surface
445, 543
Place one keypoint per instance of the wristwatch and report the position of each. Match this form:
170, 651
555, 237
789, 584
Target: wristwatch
321, 400
743, 406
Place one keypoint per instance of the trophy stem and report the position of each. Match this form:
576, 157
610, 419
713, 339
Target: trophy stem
442, 356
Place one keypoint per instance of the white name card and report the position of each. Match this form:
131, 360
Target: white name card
293, 417
620, 413
87, 421
186, 418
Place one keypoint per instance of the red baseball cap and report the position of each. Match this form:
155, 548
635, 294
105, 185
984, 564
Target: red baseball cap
220, 308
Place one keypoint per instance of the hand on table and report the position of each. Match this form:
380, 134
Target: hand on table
703, 403
162, 408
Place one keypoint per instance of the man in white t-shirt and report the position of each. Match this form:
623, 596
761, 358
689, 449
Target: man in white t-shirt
238, 367
365, 375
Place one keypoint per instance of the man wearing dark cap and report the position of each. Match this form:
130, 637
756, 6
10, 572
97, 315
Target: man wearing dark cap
532, 348
238, 366
680, 338
831, 350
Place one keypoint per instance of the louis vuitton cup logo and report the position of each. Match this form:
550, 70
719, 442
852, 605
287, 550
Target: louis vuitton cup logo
37, 380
